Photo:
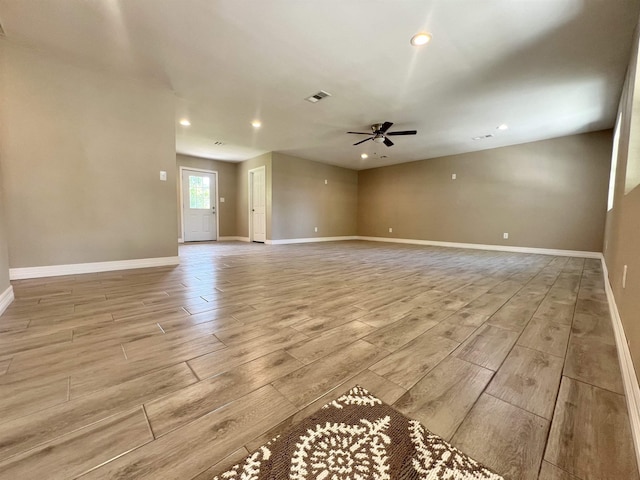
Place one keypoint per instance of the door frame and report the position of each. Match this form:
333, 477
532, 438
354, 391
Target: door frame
250, 179
181, 204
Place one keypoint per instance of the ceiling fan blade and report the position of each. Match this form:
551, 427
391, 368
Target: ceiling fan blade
388, 142
361, 133
362, 141
404, 132
385, 126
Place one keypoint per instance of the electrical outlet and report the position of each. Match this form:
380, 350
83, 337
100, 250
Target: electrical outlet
624, 276
221, 199
326, 182
453, 176
315, 229
390, 230
505, 235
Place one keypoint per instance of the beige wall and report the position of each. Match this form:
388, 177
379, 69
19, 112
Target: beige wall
622, 239
4, 252
547, 194
81, 154
242, 211
630, 108
297, 197
227, 186
302, 200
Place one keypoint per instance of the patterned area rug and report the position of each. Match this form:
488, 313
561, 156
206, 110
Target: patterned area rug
357, 437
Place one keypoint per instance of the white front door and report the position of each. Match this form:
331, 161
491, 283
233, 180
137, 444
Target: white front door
199, 206
257, 205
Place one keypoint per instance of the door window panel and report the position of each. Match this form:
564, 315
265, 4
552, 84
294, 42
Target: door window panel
199, 192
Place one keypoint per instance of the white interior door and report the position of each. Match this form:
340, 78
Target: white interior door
257, 206
199, 206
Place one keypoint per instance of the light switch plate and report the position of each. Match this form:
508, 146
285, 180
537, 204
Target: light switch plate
163, 175
221, 199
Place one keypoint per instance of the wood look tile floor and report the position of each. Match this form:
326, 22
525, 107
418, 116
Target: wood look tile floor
177, 373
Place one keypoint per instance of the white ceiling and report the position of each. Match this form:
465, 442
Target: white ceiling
547, 68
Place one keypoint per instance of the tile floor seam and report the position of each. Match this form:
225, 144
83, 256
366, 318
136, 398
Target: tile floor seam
564, 362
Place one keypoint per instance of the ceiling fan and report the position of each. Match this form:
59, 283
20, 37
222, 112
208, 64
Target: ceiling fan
380, 133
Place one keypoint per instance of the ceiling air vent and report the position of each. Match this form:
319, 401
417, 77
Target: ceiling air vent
482, 137
316, 97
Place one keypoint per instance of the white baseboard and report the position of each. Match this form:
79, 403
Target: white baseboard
629, 378
478, 246
6, 298
233, 239
225, 239
475, 246
287, 241
78, 268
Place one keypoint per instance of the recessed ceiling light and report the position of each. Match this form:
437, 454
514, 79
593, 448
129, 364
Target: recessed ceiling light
185, 123
504, 126
364, 156
420, 39
256, 124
